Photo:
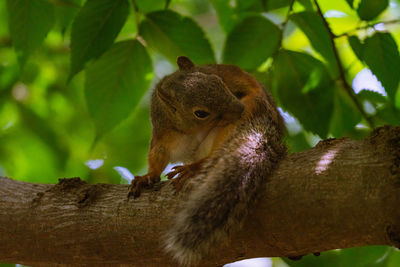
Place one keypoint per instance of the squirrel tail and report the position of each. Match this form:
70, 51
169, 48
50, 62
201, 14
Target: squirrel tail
225, 189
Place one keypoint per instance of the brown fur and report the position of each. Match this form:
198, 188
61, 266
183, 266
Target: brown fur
178, 134
226, 185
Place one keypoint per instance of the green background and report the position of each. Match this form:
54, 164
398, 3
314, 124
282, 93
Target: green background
76, 76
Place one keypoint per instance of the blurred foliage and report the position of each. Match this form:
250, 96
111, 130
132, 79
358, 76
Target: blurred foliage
75, 78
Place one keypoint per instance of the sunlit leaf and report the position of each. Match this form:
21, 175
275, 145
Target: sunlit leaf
307, 4
305, 89
313, 26
116, 82
29, 22
251, 42
370, 9
174, 35
94, 30
381, 54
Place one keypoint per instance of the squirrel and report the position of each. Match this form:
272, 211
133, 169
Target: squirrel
226, 128
191, 114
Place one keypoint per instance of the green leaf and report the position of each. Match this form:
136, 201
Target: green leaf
174, 35
345, 114
94, 30
365, 256
307, 4
24, 156
393, 258
371, 96
351, 257
275, 4
29, 22
382, 57
66, 3
297, 142
350, 2
356, 46
370, 9
251, 5
120, 142
41, 128
115, 83
388, 114
251, 42
226, 14
305, 89
397, 99
313, 27
146, 6
65, 16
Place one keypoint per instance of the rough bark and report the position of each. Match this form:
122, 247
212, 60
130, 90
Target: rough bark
341, 193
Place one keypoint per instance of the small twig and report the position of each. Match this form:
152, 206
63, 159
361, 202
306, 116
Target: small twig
346, 85
394, 21
167, 2
136, 8
283, 25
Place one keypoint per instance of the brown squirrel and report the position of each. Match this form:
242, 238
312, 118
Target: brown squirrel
221, 122
191, 113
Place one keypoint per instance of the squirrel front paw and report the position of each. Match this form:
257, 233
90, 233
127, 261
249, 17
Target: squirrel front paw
184, 172
140, 182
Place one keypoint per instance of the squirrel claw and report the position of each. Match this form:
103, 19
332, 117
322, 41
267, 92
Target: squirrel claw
140, 182
176, 170
184, 172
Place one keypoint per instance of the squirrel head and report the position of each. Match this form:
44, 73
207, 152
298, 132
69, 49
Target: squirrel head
195, 100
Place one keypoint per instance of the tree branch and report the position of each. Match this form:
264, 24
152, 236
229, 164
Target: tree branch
367, 26
341, 193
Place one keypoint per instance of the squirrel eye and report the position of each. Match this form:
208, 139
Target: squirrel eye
201, 114
239, 94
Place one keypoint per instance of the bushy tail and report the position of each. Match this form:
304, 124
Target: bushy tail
225, 189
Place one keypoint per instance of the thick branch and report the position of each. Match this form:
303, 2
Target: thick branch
342, 193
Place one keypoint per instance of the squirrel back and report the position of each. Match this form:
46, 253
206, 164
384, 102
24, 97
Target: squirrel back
225, 188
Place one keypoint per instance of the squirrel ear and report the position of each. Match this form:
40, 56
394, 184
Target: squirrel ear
184, 63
